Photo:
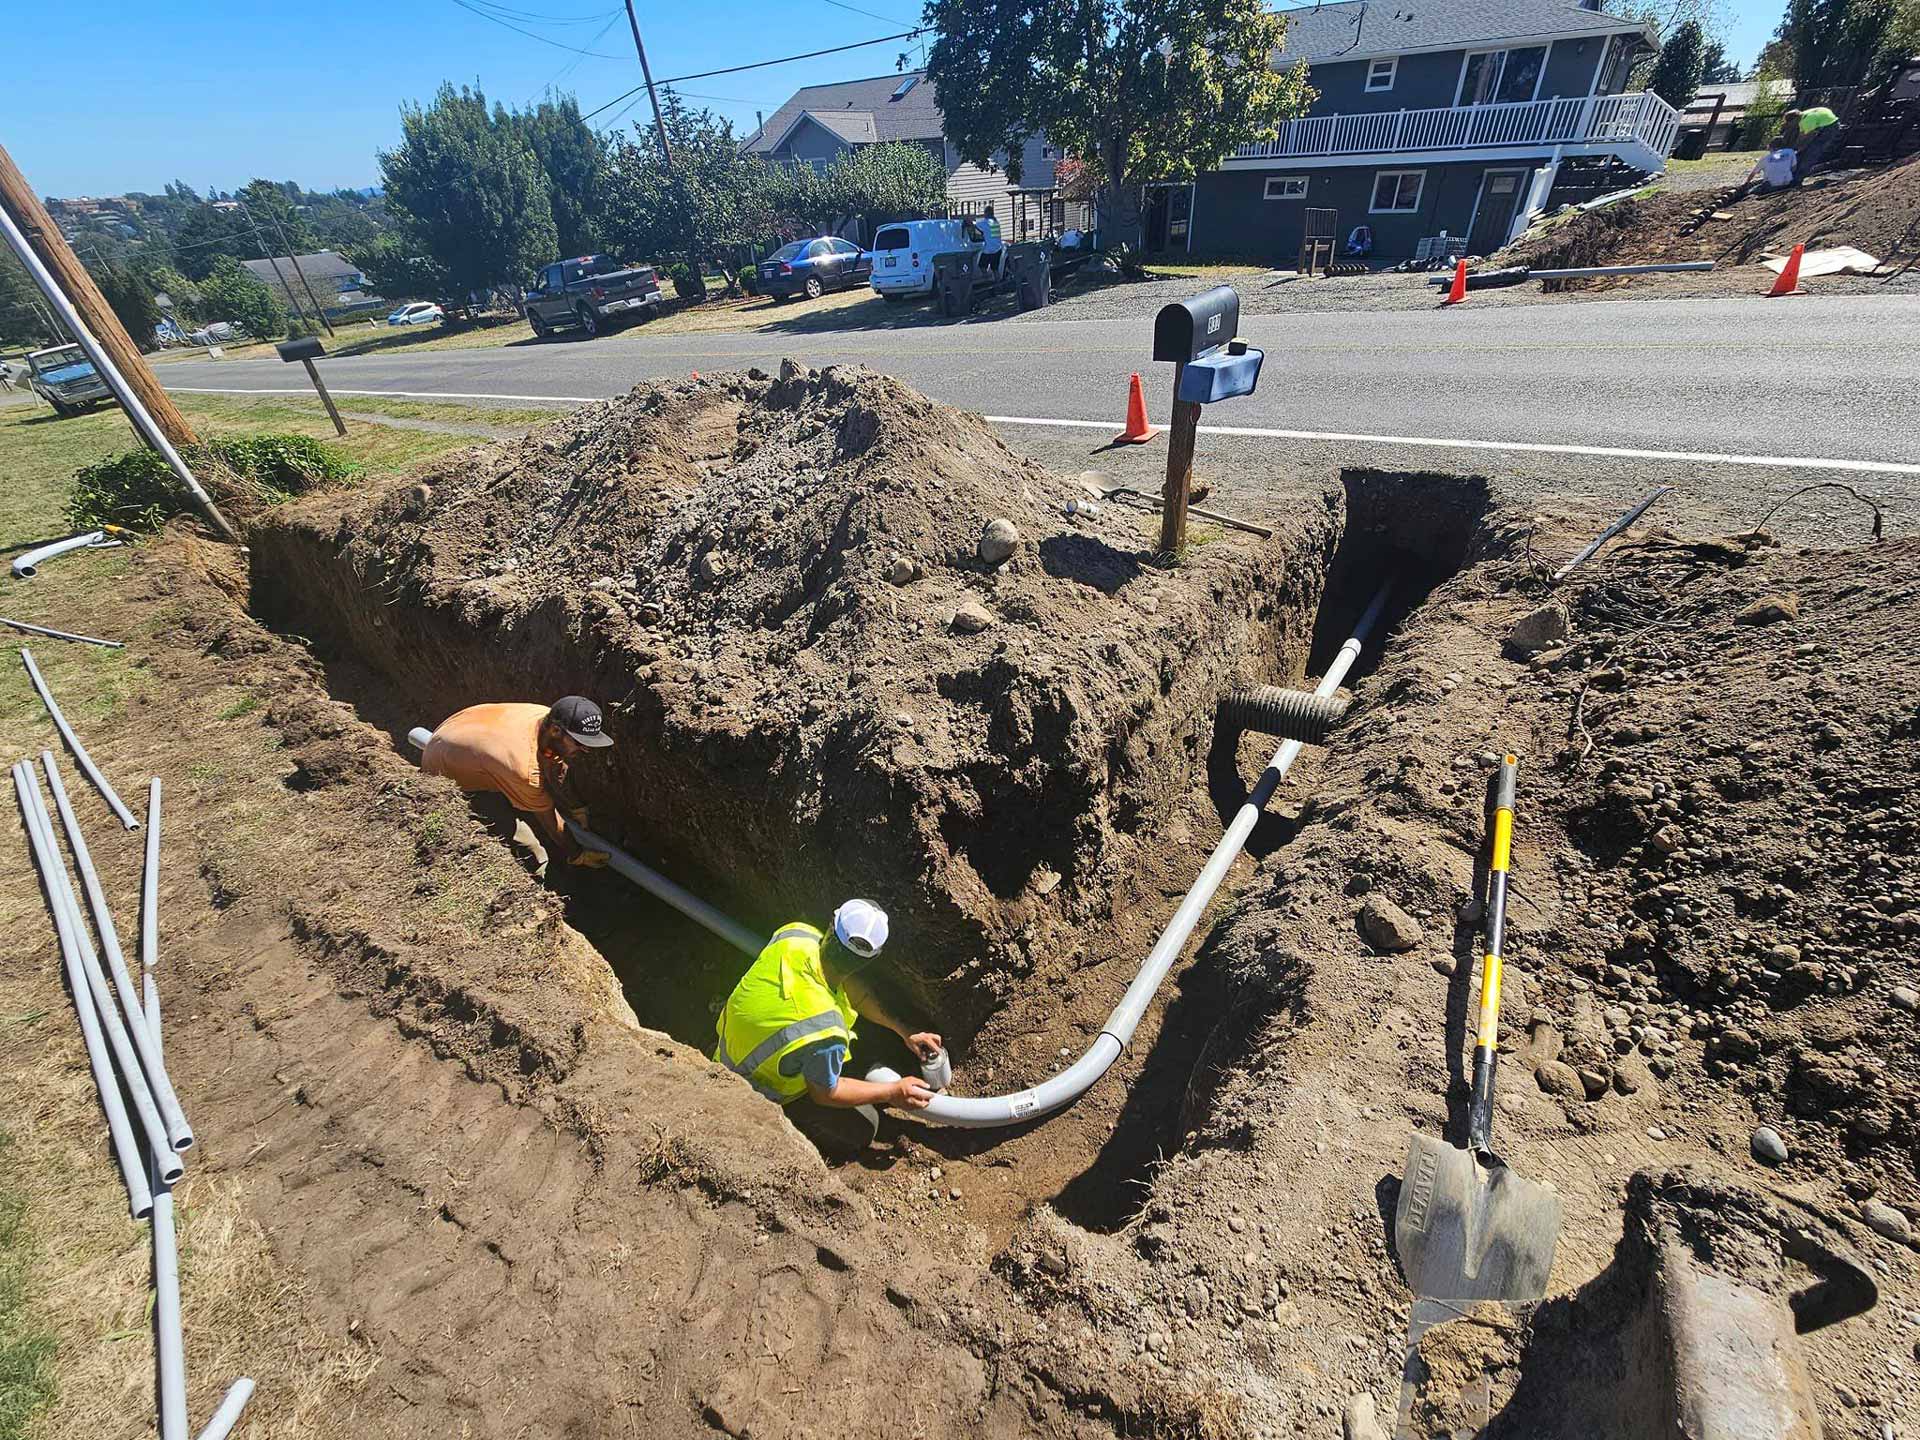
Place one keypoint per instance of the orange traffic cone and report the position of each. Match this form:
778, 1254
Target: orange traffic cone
1138, 431
1789, 281
1459, 290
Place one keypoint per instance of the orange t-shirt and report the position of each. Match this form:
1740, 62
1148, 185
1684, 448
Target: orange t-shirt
495, 747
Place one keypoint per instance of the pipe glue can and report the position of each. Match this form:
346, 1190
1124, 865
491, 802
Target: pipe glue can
937, 1072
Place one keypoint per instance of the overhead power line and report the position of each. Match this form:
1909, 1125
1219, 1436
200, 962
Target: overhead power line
870, 14
756, 65
472, 9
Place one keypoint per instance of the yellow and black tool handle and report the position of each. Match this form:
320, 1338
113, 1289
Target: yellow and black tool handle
1487, 1038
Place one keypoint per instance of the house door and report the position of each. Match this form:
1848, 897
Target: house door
1157, 220
1500, 192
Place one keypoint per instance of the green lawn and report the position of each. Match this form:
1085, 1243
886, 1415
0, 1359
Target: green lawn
26, 1346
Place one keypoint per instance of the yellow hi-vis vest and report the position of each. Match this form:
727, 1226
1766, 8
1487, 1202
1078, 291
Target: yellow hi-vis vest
782, 1003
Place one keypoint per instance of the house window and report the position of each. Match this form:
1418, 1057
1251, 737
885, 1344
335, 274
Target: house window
1380, 73
1500, 77
904, 86
1397, 192
1286, 187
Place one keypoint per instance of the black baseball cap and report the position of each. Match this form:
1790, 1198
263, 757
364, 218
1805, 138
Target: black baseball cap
581, 719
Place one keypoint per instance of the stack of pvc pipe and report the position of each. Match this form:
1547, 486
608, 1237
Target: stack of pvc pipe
120, 1027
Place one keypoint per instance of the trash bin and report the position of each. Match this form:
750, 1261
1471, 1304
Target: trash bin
953, 281
1692, 144
1031, 275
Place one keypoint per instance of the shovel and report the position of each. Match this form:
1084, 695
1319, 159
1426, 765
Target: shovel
1110, 489
1467, 1227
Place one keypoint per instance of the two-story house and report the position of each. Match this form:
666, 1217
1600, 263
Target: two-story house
1432, 115
824, 123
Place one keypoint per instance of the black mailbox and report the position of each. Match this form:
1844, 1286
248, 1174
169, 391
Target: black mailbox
1188, 329
307, 347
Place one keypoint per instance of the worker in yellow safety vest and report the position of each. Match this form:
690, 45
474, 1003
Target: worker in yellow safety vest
788, 1028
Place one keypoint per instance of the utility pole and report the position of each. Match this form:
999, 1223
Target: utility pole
266, 250
666, 151
294, 260
43, 237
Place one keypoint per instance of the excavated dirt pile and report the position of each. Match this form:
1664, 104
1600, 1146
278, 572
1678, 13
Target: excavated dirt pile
821, 680
1714, 960
1872, 210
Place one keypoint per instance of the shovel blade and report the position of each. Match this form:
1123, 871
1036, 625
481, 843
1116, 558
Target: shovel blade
1468, 1231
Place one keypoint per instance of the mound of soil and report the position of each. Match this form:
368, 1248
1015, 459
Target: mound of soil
1713, 928
817, 686
1872, 210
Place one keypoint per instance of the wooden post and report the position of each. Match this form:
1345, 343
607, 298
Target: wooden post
54, 252
1180, 439
339, 425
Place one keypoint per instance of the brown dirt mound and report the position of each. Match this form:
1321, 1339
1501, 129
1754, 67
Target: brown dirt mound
1873, 210
761, 577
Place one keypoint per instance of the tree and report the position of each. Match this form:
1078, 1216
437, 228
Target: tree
24, 318
131, 300
1676, 74
1715, 68
1139, 89
394, 273
232, 292
1834, 42
897, 180
575, 161
275, 211
206, 236
469, 193
724, 196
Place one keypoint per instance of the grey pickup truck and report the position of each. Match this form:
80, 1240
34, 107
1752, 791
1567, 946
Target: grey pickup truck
595, 292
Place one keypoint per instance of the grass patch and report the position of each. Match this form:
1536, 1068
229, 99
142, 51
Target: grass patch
245, 705
26, 1347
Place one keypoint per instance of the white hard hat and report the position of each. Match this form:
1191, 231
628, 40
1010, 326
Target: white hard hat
861, 926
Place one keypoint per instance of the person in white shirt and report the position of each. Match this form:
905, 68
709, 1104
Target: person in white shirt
1775, 169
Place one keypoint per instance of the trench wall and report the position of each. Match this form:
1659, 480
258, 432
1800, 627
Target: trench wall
995, 863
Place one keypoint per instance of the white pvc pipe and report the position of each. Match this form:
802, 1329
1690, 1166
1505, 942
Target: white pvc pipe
680, 898
1070, 1084
648, 879
27, 565
61, 634
119, 1043
123, 392
150, 885
179, 1133
169, 1344
119, 1130
228, 1415
80, 756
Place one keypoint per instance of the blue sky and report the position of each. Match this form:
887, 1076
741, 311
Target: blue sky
310, 94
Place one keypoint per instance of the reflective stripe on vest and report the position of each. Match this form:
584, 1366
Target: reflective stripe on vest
781, 1005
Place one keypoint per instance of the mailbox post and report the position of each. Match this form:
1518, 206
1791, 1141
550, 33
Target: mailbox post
305, 350
1209, 364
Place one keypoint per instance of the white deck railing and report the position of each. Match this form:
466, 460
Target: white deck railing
1638, 123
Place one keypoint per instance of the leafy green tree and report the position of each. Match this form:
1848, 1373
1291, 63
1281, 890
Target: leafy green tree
1138, 89
469, 193
276, 212
232, 292
131, 299
24, 319
897, 179
207, 236
397, 275
1676, 74
1835, 42
1715, 68
721, 195
575, 161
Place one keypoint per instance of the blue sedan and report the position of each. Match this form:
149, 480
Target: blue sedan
812, 267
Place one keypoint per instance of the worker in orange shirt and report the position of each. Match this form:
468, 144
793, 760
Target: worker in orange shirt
523, 753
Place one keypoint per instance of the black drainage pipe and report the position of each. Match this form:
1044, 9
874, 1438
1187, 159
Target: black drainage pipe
1289, 714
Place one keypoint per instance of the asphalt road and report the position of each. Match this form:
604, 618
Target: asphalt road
1802, 379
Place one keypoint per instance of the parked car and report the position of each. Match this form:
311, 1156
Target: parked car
595, 292
903, 254
420, 312
812, 267
64, 377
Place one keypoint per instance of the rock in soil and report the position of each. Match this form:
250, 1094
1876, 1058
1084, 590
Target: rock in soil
998, 540
1767, 1146
1886, 1221
1539, 629
1770, 610
1387, 926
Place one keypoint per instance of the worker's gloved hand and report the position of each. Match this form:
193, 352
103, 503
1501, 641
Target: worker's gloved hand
909, 1093
926, 1044
589, 859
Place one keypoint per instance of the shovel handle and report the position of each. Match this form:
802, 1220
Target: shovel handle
1486, 1041
1247, 525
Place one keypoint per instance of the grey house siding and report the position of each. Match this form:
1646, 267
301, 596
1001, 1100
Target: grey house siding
810, 142
1232, 218
1423, 82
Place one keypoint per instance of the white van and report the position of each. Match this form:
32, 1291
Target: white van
903, 254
